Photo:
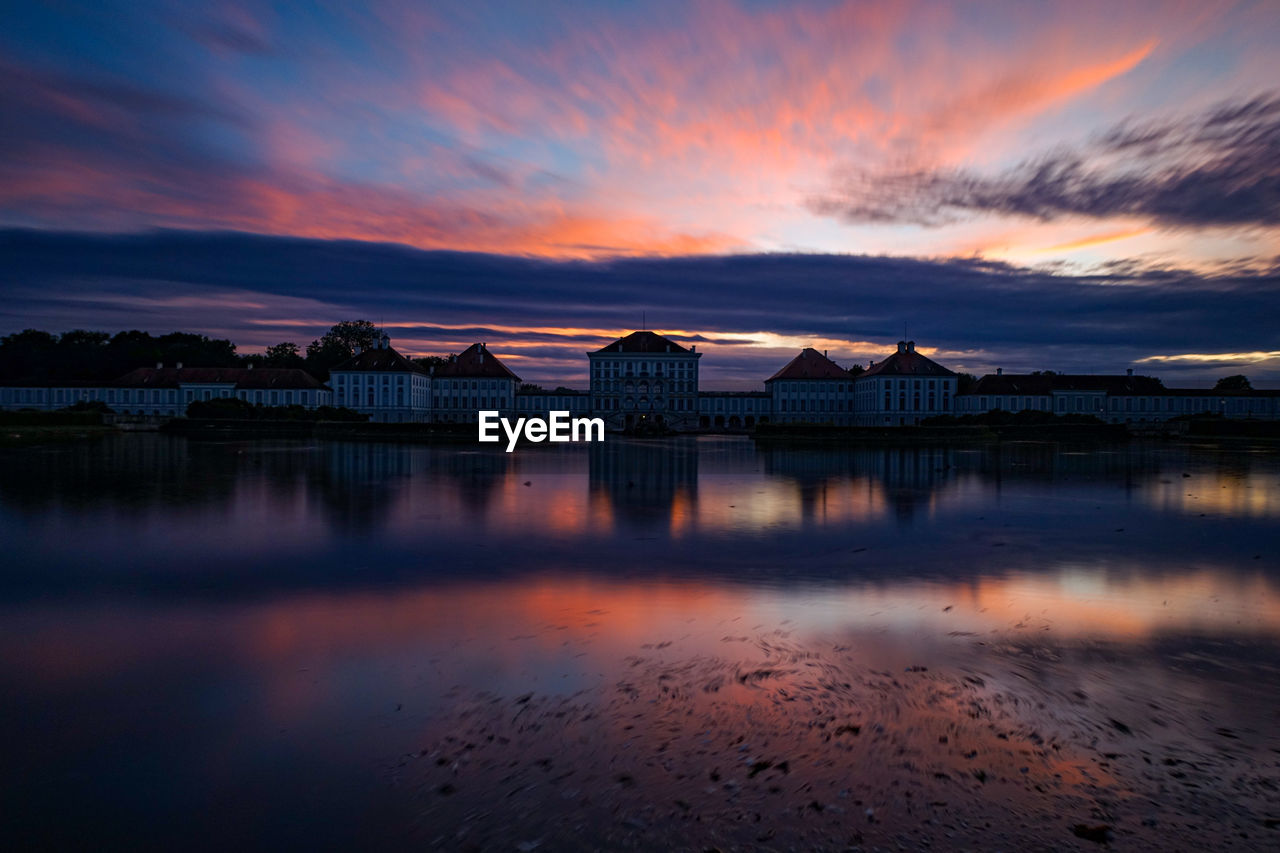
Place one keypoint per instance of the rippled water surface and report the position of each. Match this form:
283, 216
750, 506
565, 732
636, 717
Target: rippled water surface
644, 644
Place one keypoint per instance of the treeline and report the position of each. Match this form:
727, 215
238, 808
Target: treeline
37, 357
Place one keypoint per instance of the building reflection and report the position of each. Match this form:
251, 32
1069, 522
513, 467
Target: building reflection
729, 505
902, 480
646, 484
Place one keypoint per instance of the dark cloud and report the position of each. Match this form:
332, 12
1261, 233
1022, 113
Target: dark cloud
1221, 167
259, 290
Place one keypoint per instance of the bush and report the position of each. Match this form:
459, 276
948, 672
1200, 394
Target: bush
339, 413
1000, 417
34, 417
221, 408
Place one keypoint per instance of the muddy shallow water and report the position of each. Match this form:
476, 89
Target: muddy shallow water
665, 645
1009, 742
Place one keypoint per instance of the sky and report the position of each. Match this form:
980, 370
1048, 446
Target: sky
1072, 186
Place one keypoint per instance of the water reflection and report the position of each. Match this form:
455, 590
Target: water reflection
304, 514
185, 623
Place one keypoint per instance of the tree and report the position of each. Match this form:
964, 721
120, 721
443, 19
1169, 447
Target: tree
1238, 382
27, 356
965, 382
857, 370
284, 354
1045, 373
339, 344
427, 362
196, 350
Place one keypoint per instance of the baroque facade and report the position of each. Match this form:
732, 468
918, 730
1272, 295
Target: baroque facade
647, 379
167, 391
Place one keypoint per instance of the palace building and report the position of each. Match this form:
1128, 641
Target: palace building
647, 380
811, 388
904, 389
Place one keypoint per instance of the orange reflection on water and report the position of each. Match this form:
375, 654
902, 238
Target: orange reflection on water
1238, 494
591, 623
727, 504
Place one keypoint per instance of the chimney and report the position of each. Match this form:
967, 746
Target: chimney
1129, 372
824, 353
251, 365
902, 346
911, 346
999, 371
179, 365
693, 348
159, 365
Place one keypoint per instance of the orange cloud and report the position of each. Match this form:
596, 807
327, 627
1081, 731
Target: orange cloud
700, 130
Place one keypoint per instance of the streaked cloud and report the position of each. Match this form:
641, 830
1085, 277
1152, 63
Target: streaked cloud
970, 314
1218, 168
586, 130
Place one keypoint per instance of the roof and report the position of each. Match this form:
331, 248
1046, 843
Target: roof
1210, 392
644, 342
1044, 384
764, 394
1115, 385
906, 362
475, 362
810, 364
240, 377
379, 359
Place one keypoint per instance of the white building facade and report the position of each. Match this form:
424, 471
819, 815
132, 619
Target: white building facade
383, 384
812, 389
903, 389
167, 391
645, 379
1115, 399
474, 379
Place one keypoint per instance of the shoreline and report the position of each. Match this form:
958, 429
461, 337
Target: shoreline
993, 743
24, 430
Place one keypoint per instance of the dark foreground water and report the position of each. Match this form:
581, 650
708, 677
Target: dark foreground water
689, 643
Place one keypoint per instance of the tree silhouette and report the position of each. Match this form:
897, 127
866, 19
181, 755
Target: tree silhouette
1238, 382
339, 344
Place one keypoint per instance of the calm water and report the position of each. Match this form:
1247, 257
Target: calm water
212, 643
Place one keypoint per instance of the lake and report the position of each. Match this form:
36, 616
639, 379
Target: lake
639, 644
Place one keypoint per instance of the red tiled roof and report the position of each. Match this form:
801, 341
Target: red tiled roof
644, 342
906, 362
810, 364
240, 377
1112, 384
379, 359
1043, 384
475, 361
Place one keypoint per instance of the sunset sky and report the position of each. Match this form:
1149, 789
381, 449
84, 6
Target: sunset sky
1075, 186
